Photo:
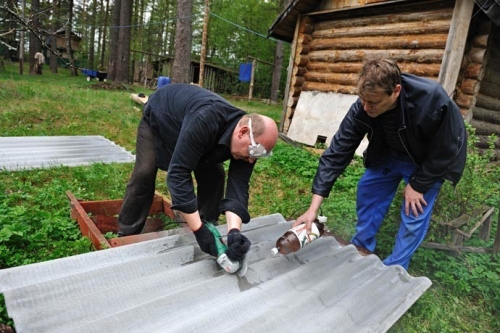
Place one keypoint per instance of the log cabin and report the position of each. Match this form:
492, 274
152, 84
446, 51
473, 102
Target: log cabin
59, 37
455, 42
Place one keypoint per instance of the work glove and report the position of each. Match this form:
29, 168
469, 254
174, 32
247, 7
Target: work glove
237, 245
206, 240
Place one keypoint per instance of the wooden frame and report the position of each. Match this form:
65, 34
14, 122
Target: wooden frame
459, 236
96, 218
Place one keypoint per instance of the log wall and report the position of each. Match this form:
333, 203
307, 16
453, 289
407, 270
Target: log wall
486, 110
330, 53
473, 67
298, 68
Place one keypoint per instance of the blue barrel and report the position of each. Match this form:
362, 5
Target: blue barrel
163, 81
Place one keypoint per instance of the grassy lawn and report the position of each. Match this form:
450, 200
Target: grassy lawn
34, 211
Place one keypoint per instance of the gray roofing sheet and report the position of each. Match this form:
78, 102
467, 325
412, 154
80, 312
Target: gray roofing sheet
31, 152
168, 285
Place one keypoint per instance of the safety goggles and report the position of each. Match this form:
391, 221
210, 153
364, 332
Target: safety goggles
256, 150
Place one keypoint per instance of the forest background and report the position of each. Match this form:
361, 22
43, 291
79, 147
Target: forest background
117, 34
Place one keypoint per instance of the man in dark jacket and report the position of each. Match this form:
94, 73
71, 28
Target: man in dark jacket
416, 133
186, 129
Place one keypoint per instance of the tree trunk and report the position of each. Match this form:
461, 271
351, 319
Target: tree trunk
113, 40
124, 35
203, 52
10, 38
183, 33
278, 64
35, 44
93, 14
53, 39
104, 30
21, 41
69, 50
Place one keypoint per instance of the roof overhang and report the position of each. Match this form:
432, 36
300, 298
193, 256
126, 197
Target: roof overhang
491, 8
284, 26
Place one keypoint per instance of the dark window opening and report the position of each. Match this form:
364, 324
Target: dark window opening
321, 139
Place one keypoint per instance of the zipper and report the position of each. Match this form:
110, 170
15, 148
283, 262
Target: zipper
402, 141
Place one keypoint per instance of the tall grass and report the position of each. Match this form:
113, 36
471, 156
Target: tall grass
34, 211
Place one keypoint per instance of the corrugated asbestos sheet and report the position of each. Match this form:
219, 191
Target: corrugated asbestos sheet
31, 152
168, 285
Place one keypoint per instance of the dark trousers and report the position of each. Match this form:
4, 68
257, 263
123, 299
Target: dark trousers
141, 186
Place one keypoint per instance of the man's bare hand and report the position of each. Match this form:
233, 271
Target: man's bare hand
308, 217
413, 200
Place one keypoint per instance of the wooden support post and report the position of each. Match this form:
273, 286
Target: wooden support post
252, 78
496, 243
455, 45
458, 238
289, 88
204, 43
485, 231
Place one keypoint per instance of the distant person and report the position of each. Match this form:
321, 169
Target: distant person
39, 61
187, 130
416, 134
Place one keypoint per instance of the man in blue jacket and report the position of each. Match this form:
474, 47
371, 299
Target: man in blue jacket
186, 129
416, 133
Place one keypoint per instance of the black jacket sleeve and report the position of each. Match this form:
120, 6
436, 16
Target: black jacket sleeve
340, 152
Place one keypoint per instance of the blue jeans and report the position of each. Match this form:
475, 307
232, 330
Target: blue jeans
376, 190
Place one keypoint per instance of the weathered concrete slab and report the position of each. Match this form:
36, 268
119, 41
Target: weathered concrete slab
320, 114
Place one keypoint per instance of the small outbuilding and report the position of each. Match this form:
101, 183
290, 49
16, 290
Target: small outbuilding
59, 37
455, 42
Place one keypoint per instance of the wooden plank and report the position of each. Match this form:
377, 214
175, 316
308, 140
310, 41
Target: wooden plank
87, 226
165, 205
478, 224
347, 79
105, 223
112, 207
285, 114
102, 207
120, 241
417, 28
474, 71
139, 100
470, 86
338, 67
458, 222
457, 238
438, 246
485, 231
424, 41
104, 219
496, 243
359, 55
329, 87
455, 46
369, 20
465, 101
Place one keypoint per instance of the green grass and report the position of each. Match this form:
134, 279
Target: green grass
34, 211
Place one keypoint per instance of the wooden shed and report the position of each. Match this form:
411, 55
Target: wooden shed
455, 42
61, 44
216, 78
